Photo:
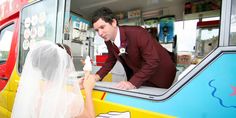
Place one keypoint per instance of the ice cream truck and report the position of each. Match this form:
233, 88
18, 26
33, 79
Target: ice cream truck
205, 84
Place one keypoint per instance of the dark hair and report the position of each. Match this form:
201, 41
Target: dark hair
66, 47
105, 14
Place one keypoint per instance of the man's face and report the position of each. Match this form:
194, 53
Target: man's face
106, 30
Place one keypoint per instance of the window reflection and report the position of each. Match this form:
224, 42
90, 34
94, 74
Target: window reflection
233, 24
5, 43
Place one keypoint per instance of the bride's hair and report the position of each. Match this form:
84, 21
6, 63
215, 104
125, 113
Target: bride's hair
66, 47
46, 59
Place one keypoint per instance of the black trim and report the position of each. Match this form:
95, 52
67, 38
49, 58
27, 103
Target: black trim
4, 78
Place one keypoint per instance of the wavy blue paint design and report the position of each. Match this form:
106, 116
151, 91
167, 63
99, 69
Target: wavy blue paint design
198, 98
220, 100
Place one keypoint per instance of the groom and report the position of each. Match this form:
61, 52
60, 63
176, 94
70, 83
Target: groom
145, 61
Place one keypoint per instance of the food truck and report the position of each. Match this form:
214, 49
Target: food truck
205, 54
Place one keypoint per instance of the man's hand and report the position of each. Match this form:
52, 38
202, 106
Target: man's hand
125, 85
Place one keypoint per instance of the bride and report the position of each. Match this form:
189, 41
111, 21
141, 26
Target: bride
46, 89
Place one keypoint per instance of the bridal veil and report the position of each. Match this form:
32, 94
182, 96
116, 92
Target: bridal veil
46, 89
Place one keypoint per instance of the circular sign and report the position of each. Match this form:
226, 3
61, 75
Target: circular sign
27, 22
26, 44
27, 33
41, 31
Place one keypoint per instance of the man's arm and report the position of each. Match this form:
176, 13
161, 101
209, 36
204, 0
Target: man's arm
110, 62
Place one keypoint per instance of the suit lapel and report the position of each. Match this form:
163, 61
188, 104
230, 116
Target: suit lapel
123, 40
114, 48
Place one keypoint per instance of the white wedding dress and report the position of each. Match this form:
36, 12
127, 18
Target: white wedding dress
45, 89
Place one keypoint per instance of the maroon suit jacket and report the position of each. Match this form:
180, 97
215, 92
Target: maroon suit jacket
150, 63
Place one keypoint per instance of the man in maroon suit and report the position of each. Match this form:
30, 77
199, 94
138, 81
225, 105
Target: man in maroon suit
145, 61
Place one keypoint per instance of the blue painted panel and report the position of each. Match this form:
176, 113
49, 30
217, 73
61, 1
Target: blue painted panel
211, 94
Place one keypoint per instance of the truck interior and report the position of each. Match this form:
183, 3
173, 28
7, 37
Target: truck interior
192, 35
188, 48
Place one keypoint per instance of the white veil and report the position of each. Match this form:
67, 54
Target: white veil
45, 89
